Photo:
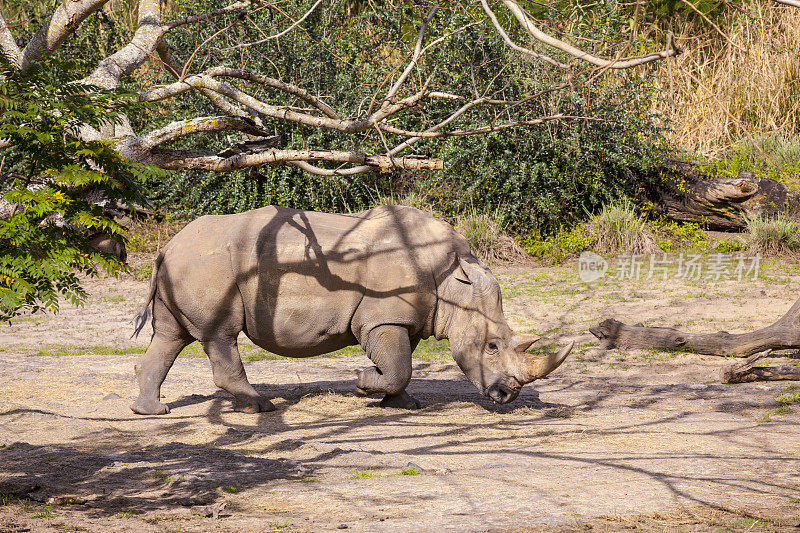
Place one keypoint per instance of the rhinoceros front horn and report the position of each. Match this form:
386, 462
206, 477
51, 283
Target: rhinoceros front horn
539, 367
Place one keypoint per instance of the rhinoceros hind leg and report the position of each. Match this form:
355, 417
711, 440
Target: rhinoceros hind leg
152, 370
390, 349
229, 374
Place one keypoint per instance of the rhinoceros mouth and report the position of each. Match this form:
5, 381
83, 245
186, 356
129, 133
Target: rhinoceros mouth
502, 393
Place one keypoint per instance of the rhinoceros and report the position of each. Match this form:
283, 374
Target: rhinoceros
303, 283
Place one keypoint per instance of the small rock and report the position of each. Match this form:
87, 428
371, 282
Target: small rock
112, 396
66, 500
342, 526
415, 465
209, 511
496, 465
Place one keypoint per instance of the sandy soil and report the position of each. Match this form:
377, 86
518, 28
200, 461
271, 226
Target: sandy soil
615, 440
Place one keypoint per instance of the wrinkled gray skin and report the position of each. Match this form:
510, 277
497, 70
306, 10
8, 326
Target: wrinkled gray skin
300, 284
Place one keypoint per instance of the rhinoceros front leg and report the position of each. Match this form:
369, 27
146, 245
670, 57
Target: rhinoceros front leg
229, 374
390, 349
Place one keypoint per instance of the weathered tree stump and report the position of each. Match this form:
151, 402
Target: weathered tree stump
745, 372
684, 194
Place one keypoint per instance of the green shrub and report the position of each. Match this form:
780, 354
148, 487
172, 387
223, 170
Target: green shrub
562, 246
49, 170
772, 235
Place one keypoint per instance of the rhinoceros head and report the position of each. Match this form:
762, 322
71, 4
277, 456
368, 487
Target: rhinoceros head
491, 355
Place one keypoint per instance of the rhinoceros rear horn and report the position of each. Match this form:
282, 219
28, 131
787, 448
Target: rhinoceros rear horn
539, 367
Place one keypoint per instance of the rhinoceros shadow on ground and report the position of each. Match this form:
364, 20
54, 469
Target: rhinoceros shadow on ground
433, 393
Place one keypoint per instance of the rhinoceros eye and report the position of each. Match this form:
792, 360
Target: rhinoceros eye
492, 347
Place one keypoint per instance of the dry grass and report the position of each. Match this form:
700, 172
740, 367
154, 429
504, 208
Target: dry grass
487, 240
619, 229
723, 92
772, 235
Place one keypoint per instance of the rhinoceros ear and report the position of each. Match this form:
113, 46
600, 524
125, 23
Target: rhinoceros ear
465, 271
520, 343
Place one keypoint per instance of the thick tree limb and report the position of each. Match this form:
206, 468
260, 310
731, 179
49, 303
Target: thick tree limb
793, 3
681, 193
534, 31
183, 128
783, 334
198, 160
131, 56
8, 45
65, 20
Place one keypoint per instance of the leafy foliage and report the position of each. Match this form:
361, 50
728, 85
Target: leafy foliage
45, 219
535, 179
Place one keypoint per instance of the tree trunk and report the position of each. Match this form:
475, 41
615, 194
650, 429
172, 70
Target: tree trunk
783, 334
682, 193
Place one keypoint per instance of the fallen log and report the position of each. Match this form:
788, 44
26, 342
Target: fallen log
783, 334
745, 372
683, 193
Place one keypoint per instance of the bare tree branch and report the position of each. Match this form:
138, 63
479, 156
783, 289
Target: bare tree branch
534, 31
514, 45
299, 92
205, 16
281, 34
793, 3
131, 56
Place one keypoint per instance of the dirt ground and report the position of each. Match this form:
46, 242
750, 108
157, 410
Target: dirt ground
616, 440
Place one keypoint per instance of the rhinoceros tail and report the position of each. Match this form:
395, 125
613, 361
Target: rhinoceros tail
141, 319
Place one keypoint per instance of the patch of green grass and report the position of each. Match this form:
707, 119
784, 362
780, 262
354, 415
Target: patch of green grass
726, 247
142, 272
44, 513
674, 236
163, 476
113, 299
362, 474
789, 396
410, 471
309, 479
278, 526
233, 489
68, 350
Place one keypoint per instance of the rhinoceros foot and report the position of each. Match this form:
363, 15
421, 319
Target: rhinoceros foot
250, 404
400, 401
149, 407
